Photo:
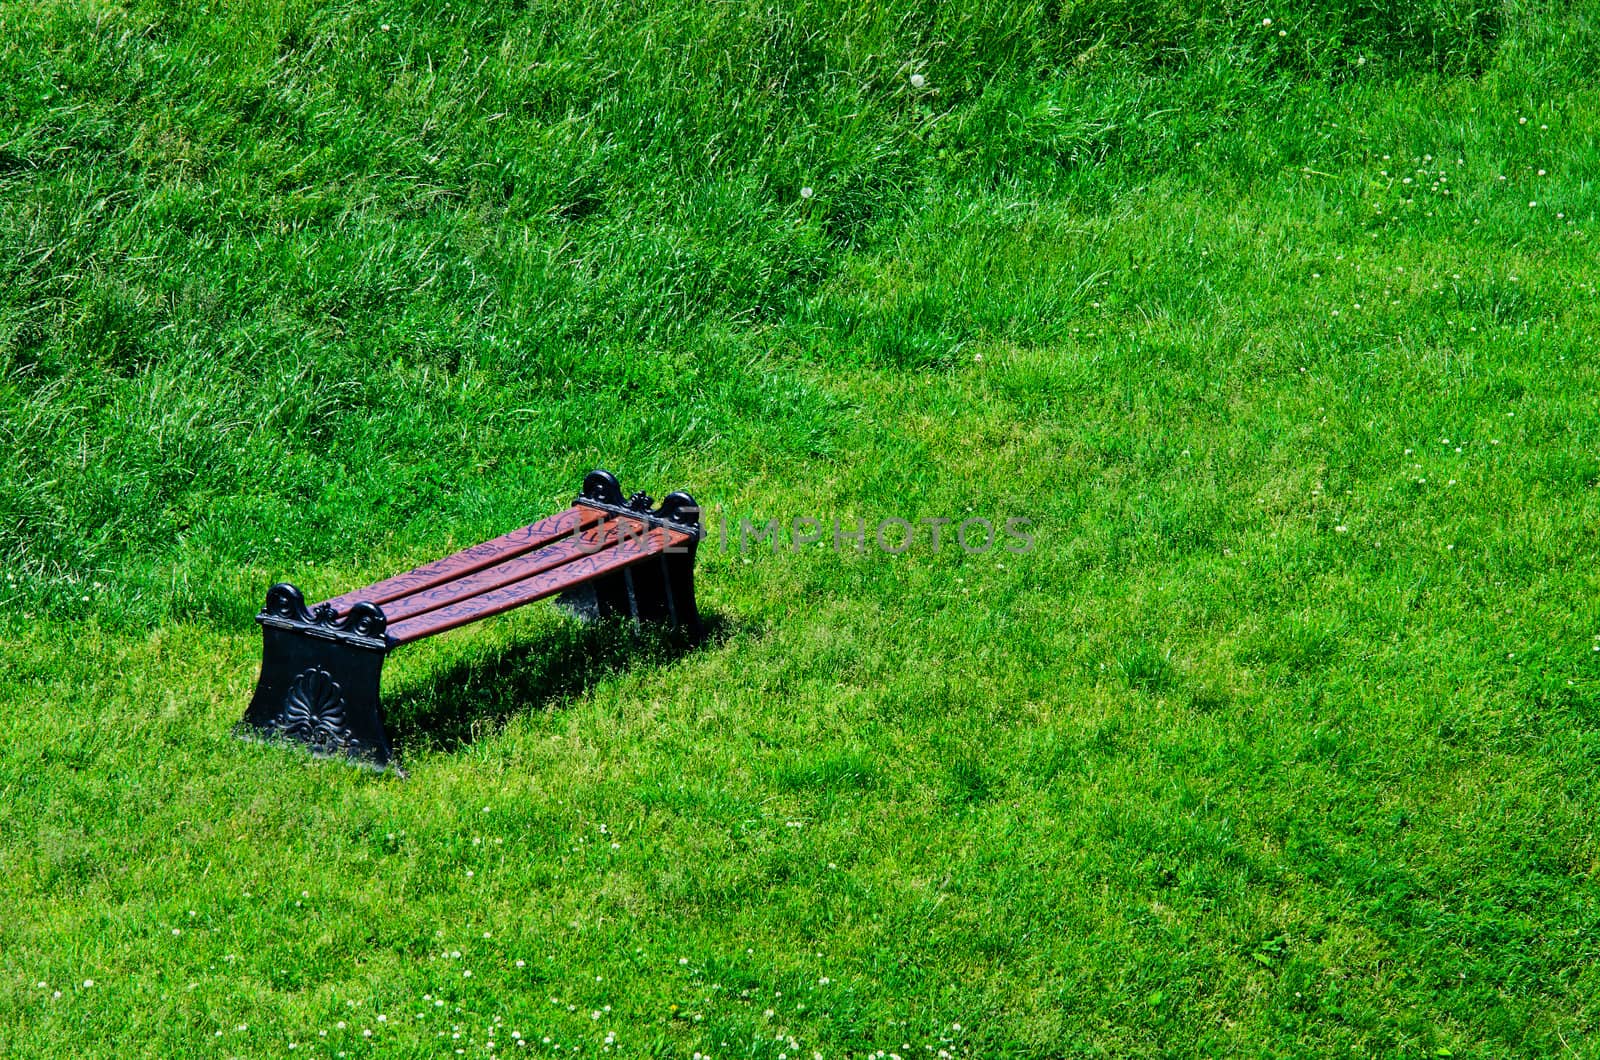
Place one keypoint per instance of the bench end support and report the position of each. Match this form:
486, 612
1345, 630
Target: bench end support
657, 589
319, 679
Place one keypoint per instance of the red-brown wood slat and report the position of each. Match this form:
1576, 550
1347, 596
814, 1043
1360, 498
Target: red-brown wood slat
467, 561
586, 543
626, 551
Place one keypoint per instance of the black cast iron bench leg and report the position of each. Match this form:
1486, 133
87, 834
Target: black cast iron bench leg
659, 590
319, 678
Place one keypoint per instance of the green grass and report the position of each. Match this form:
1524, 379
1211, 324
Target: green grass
1282, 741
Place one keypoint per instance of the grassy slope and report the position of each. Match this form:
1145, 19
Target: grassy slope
1283, 740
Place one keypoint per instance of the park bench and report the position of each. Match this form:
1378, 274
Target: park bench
605, 555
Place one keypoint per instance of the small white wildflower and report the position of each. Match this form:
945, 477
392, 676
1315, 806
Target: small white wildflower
807, 192
918, 81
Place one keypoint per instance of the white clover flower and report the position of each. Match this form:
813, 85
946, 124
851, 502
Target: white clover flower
806, 192
918, 81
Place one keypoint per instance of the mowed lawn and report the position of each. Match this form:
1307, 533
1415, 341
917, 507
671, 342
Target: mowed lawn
1277, 326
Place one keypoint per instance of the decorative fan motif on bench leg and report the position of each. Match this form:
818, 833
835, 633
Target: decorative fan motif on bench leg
314, 712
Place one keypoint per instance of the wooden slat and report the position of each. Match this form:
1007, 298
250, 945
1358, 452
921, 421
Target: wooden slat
627, 551
595, 539
469, 560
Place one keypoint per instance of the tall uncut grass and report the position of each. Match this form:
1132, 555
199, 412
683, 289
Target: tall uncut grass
1276, 324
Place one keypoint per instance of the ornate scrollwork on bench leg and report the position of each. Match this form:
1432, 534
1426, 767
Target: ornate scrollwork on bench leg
319, 678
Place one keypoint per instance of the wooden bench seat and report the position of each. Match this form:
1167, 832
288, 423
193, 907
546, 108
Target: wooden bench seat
605, 555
